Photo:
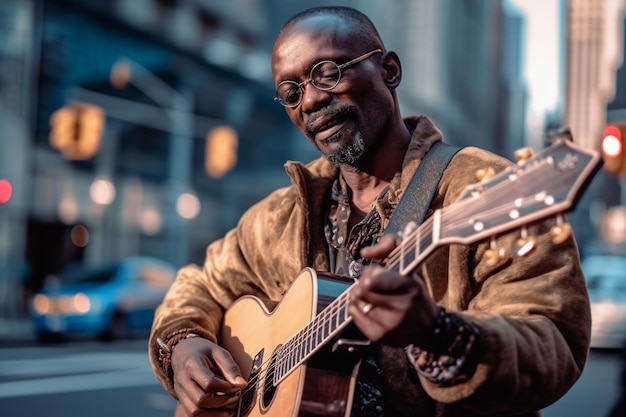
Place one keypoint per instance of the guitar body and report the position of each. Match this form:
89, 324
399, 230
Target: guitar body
323, 386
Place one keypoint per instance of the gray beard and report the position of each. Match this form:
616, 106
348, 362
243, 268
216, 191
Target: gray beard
350, 153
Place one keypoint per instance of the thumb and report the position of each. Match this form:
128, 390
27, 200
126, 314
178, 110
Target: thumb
231, 372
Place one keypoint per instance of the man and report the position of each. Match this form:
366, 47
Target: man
461, 336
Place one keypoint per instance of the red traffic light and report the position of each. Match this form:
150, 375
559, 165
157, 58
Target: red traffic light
612, 146
612, 142
5, 191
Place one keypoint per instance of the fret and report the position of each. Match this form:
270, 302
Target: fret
299, 346
279, 363
288, 363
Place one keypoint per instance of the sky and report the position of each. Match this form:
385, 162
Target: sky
542, 65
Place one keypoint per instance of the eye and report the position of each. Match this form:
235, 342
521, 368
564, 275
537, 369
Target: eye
326, 74
289, 92
292, 95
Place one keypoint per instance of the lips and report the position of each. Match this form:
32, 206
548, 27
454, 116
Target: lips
327, 123
322, 124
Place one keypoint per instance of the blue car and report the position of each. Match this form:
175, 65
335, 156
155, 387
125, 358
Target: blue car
110, 301
606, 283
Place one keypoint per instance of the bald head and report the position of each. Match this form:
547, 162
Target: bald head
352, 21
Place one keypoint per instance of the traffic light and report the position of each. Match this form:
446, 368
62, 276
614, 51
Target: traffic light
613, 148
76, 130
6, 190
221, 151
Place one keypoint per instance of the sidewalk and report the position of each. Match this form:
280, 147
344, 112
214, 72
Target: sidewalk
16, 330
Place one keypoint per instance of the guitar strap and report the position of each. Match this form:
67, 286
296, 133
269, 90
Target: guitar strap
403, 394
416, 199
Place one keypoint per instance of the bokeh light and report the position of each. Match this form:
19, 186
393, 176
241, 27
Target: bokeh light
68, 208
79, 236
150, 221
102, 192
188, 206
6, 190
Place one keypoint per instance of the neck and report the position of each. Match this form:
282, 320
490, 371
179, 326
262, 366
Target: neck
368, 179
376, 169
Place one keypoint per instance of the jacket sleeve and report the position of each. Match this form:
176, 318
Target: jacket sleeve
246, 261
532, 311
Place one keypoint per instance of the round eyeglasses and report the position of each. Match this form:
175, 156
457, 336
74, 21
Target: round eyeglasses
325, 75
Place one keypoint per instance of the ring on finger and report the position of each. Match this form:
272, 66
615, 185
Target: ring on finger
366, 308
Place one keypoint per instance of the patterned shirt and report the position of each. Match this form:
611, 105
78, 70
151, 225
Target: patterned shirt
345, 246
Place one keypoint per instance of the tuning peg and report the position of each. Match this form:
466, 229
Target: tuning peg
523, 154
561, 232
485, 173
524, 244
494, 254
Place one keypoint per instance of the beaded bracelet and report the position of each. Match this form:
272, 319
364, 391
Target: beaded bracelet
166, 347
449, 357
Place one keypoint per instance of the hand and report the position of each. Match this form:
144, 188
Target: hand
207, 380
388, 307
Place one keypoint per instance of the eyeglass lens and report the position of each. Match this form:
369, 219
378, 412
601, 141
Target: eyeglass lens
325, 75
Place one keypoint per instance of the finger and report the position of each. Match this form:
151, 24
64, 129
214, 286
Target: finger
377, 279
213, 399
364, 320
197, 411
215, 384
380, 250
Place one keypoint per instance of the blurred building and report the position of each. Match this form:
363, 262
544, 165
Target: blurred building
594, 96
594, 53
194, 72
172, 79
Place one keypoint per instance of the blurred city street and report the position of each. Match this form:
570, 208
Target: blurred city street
80, 379
144, 129
103, 379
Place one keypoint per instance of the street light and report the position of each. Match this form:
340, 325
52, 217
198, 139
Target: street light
76, 130
177, 106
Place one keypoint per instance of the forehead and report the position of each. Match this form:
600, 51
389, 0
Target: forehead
308, 41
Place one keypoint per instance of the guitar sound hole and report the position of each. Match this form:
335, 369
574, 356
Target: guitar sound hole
269, 389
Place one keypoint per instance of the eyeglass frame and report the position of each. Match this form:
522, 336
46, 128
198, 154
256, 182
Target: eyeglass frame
301, 85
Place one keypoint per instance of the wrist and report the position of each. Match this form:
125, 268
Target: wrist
450, 355
166, 348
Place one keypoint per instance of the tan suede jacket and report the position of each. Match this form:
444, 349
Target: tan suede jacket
532, 311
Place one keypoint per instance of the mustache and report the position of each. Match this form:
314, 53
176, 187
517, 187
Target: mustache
343, 112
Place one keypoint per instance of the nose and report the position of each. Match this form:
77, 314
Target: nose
312, 97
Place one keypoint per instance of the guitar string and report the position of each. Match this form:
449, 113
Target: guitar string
498, 191
411, 242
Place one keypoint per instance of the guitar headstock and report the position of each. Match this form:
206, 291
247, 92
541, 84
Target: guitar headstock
546, 184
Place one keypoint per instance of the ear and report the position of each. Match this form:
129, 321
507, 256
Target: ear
391, 69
